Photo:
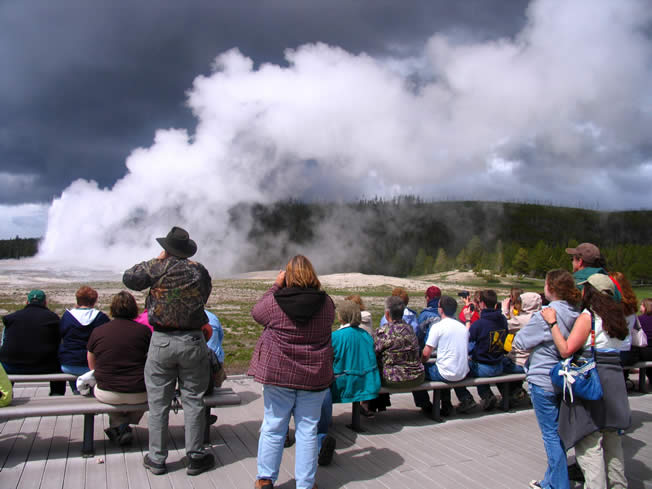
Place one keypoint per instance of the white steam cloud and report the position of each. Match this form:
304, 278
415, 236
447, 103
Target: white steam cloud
529, 117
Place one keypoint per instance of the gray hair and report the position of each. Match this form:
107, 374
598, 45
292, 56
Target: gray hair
349, 313
395, 306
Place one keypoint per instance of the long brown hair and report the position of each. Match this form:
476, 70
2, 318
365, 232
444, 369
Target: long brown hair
611, 312
300, 273
630, 302
562, 284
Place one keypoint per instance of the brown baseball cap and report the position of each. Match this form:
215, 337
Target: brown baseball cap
586, 251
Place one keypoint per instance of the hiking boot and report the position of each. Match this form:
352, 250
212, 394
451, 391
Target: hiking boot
575, 473
153, 467
125, 435
197, 465
327, 450
289, 441
112, 434
263, 484
489, 403
466, 405
446, 409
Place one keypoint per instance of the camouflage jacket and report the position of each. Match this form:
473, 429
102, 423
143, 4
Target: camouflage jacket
179, 289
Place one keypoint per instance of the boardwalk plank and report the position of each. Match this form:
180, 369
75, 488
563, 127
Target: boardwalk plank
38, 456
400, 449
58, 455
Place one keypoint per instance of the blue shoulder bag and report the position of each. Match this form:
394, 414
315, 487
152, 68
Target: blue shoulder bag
579, 375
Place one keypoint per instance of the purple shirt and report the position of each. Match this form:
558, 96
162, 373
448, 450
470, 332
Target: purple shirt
646, 324
291, 356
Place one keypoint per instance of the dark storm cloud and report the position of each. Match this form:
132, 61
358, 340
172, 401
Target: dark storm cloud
84, 83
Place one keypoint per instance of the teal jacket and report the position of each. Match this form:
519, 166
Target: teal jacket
582, 275
354, 366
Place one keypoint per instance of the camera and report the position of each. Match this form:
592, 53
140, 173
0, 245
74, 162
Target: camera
464, 294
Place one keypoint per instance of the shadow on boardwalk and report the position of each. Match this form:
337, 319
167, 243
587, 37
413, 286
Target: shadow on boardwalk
400, 449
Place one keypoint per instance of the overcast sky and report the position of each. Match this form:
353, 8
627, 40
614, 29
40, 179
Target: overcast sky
337, 99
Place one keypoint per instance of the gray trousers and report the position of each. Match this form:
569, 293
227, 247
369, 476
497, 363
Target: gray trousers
600, 455
176, 356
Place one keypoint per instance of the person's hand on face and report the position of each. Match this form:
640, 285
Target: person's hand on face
280, 279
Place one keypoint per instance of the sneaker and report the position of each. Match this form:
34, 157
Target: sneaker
153, 467
535, 485
263, 484
197, 465
126, 437
466, 405
327, 451
489, 403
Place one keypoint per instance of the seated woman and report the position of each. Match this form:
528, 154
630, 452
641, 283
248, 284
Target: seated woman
397, 348
117, 352
355, 369
75, 328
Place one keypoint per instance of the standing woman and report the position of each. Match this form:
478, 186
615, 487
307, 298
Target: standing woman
592, 426
536, 338
293, 359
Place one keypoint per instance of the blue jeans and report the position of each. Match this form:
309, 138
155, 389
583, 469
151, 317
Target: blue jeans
478, 369
74, 370
326, 418
432, 373
280, 403
546, 408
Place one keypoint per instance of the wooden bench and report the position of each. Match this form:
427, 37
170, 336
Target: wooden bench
27, 378
29, 407
436, 387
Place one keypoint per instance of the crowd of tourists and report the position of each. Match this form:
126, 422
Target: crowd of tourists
174, 348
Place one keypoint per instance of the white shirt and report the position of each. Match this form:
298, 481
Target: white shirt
602, 340
451, 339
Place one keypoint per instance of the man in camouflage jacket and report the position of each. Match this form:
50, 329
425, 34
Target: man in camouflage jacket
179, 289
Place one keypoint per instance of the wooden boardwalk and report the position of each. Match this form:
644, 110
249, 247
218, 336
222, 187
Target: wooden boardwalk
400, 449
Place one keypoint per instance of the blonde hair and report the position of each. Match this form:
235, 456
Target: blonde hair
357, 299
299, 272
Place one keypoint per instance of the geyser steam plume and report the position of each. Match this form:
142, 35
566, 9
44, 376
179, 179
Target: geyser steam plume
568, 96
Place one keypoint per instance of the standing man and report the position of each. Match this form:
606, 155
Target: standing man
179, 289
587, 260
30, 341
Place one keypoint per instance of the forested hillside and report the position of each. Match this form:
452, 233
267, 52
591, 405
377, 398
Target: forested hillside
18, 247
408, 236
